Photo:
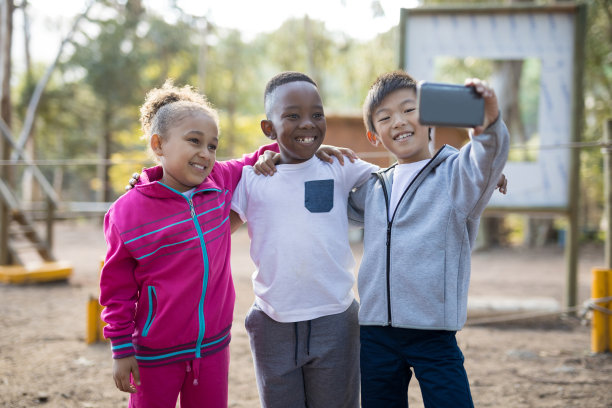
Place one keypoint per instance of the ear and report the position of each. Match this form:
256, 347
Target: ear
156, 144
268, 128
373, 139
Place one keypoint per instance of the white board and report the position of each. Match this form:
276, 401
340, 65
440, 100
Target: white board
547, 36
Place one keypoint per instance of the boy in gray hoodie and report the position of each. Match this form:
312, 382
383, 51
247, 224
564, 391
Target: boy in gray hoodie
420, 220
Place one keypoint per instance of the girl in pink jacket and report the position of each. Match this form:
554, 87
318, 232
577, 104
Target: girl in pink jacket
166, 282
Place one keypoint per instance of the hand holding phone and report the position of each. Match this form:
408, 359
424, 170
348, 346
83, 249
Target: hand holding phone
449, 105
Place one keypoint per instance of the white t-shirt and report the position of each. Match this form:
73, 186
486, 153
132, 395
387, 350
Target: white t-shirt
297, 221
403, 176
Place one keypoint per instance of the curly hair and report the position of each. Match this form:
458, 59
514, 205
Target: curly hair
164, 105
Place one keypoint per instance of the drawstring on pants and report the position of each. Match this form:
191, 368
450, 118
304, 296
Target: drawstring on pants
195, 364
295, 328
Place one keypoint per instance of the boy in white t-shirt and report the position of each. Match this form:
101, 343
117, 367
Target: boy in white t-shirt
303, 326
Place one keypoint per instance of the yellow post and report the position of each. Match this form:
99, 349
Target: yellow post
93, 316
600, 326
609, 306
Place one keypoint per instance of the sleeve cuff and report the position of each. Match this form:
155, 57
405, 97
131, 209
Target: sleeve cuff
122, 347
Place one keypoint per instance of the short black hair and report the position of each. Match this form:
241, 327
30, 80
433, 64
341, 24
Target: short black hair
383, 86
282, 79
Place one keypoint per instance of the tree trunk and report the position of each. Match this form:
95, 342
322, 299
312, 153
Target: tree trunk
28, 187
104, 147
5, 113
203, 57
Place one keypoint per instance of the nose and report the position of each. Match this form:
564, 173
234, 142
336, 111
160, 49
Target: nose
398, 120
204, 153
306, 123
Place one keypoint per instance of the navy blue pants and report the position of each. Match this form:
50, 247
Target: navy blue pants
388, 356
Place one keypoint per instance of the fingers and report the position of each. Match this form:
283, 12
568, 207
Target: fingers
349, 153
122, 382
327, 153
481, 87
132, 181
502, 185
135, 375
266, 168
122, 368
491, 108
325, 156
338, 155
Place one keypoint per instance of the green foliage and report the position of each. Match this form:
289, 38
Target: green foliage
97, 92
598, 95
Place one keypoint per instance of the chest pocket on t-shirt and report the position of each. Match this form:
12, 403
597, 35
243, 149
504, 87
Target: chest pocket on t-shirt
319, 195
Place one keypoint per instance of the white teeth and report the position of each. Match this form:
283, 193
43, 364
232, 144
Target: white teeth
305, 139
197, 166
403, 136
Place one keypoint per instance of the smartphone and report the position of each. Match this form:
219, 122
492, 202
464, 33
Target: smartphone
450, 105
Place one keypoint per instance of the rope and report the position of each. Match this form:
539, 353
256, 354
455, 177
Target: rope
591, 304
521, 316
588, 305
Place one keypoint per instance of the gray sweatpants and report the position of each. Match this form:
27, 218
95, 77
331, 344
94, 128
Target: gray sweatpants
313, 364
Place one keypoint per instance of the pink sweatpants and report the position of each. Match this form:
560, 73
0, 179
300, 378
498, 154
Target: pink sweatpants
200, 383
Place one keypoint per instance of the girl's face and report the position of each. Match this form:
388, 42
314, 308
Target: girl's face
188, 152
396, 122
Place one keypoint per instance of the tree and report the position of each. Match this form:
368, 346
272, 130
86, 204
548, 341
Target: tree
5, 112
112, 64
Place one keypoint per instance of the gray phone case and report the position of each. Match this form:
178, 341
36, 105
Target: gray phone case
449, 105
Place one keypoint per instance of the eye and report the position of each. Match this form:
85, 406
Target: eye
292, 116
384, 118
194, 140
318, 115
212, 147
410, 110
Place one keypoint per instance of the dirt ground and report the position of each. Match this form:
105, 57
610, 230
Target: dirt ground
542, 362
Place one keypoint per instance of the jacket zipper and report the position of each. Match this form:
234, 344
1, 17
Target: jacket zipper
201, 322
390, 225
388, 272
194, 219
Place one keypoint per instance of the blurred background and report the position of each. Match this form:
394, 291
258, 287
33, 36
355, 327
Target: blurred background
75, 73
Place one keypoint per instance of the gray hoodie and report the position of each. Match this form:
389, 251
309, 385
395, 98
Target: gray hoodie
415, 269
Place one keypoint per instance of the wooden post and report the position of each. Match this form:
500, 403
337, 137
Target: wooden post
49, 222
6, 33
599, 325
571, 240
609, 316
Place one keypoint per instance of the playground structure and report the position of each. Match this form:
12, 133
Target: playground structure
25, 255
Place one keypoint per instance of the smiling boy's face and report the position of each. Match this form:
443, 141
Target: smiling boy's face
397, 127
296, 121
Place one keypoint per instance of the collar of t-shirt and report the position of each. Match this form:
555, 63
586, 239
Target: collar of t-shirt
403, 175
188, 192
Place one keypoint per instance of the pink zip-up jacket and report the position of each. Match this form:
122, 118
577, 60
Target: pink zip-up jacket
166, 283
